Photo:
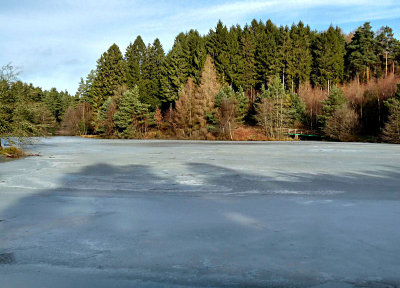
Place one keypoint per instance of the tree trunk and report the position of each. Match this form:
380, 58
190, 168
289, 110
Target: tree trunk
230, 131
386, 64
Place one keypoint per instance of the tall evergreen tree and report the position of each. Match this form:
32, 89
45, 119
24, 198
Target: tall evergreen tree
152, 71
301, 60
110, 76
328, 58
361, 52
217, 48
134, 56
387, 46
266, 54
247, 50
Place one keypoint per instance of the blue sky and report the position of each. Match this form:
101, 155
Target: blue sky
54, 43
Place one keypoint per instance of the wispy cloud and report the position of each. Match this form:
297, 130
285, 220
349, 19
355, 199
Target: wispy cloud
57, 42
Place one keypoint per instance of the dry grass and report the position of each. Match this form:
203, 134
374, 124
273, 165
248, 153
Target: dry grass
12, 152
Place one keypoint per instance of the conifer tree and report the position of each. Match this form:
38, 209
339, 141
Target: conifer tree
247, 50
361, 52
391, 132
183, 115
387, 46
175, 71
204, 101
131, 115
110, 76
134, 57
335, 100
301, 59
152, 71
217, 48
328, 58
105, 118
267, 50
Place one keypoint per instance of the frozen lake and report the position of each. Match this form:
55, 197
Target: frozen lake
127, 213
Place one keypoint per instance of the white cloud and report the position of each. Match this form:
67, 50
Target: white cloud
57, 42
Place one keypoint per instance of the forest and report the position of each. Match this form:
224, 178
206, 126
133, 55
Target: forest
257, 82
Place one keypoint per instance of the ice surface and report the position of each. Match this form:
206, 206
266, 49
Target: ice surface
130, 213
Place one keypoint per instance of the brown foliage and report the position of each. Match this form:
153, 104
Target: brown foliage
227, 117
266, 115
204, 99
343, 124
312, 98
183, 115
158, 117
77, 120
382, 88
247, 133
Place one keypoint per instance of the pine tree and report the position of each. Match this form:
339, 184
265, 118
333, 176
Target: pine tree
110, 76
247, 50
361, 54
152, 71
301, 60
334, 101
328, 58
217, 48
134, 57
391, 132
267, 50
204, 101
175, 71
132, 114
387, 46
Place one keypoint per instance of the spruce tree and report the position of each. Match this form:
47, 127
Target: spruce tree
134, 57
217, 48
301, 59
131, 115
152, 71
175, 70
328, 58
247, 50
361, 52
110, 76
391, 132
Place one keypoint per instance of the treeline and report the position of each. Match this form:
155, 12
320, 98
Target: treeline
251, 82
26, 110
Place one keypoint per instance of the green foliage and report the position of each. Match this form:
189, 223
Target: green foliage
186, 59
110, 76
361, 52
391, 131
328, 53
267, 60
57, 102
134, 57
23, 109
132, 113
150, 86
387, 48
334, 101
297, 110
299, 66
239, 100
